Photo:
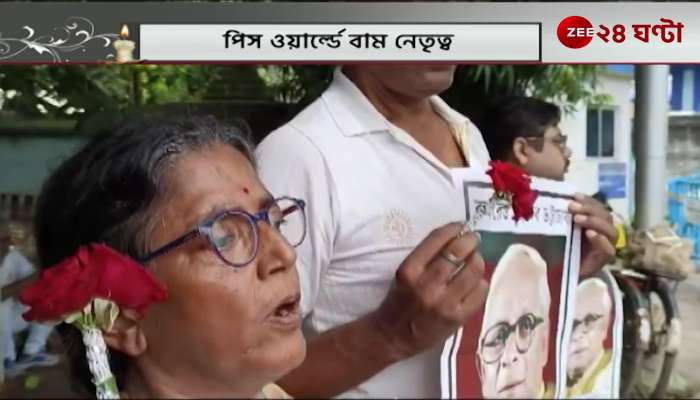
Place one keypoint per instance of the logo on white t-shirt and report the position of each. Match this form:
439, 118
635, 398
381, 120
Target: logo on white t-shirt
397, 227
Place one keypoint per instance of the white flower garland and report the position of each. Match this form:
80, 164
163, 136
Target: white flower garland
96, 353
99, 315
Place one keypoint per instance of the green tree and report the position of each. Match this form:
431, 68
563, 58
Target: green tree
98, 95
474, 87
60, 91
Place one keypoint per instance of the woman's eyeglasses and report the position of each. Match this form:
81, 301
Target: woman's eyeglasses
494, 341
234, 236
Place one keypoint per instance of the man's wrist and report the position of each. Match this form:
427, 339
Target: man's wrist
392, 349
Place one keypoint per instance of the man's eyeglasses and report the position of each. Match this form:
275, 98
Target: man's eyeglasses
233, 234
559, 141
494, 341
586, 323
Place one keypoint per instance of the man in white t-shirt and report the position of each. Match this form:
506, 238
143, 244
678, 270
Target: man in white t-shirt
15, 272
372, 157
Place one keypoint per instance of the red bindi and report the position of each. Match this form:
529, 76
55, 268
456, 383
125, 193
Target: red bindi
246, 190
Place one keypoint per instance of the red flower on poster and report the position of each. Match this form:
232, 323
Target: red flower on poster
514, 185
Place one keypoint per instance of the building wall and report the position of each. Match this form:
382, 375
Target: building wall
683, 152
583, 170
26, 161
685, 92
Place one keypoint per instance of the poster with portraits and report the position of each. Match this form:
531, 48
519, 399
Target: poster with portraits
595, 346
517, 344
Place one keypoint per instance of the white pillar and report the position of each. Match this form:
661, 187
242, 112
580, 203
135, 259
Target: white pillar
688, 89
2, 346
650, 140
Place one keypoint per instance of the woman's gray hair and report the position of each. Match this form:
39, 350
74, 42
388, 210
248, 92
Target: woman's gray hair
106, 192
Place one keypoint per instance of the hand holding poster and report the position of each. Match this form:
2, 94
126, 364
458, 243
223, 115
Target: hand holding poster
516, 345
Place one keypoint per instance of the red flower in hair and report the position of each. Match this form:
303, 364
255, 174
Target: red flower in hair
513, 183
94, 271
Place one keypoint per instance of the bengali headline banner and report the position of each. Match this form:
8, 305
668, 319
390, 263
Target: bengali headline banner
424, 42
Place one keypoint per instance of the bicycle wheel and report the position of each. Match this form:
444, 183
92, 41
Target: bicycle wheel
657, 364
636, 334
669, 337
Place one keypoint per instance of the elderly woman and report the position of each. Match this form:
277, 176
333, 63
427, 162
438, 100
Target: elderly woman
182, 198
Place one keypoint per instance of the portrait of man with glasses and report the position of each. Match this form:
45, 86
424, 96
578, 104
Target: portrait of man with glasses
588, 368
513, 345
517, 345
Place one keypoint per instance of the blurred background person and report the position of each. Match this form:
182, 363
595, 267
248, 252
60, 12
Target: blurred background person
524, 131
15, 273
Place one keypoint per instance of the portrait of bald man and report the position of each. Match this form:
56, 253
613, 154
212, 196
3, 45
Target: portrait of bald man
513, 344
588, 368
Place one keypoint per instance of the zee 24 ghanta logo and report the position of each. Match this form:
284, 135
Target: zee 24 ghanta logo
576, 32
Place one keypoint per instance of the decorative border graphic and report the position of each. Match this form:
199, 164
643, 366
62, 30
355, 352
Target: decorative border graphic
43, 16
74, 35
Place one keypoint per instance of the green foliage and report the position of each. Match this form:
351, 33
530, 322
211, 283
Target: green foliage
32, 382
567, 84
98, 94
162, 84
59, 91
474, 86
296, 84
